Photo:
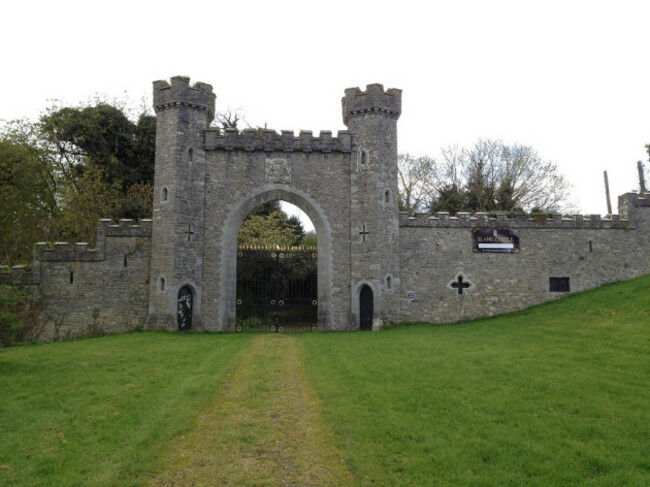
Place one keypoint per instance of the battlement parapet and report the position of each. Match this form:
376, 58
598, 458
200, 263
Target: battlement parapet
179, 92
373, 100
81, 251
445, 220
18, 275
271, 141
124, 228
65, 252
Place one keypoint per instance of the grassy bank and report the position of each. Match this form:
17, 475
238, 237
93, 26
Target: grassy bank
557, 395
99, 411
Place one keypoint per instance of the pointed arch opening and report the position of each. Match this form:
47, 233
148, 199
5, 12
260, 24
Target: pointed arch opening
230, 253
277, 278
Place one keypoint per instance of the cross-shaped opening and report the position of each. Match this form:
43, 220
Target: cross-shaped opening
460, 285
363, 233
189, 232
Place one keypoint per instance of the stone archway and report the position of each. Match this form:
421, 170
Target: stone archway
227, 304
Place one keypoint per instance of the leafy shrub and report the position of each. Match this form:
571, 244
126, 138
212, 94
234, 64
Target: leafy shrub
18, 315
10, 328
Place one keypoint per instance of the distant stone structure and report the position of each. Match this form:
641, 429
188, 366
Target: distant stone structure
180, 267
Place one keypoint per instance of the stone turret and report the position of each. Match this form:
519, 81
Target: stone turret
183, 112
372, 116
374, 100
634, 206
180, 93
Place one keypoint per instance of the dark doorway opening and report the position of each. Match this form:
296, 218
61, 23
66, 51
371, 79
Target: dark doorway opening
366, 308
184, 308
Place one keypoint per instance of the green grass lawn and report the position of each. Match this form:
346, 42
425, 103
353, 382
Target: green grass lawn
98, 412
558, 395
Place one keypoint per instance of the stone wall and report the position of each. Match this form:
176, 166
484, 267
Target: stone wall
421, 267
590, 251
88, 291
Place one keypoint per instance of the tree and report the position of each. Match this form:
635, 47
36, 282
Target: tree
27, 193
450, 198
74, 166
103, 136
267, 225
492, 176
417, 182
232, 119
137, 202
266, 209
19, 312
310, 239
82, 204
105, 165
228, 119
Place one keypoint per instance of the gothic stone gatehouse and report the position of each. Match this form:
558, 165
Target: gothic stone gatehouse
430, 268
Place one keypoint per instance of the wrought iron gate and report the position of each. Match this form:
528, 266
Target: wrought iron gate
277, 289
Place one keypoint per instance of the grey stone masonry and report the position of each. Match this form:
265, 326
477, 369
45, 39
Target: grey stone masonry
419, 268
444, 220
179, 92
208, 180
183, 113
85, 290
373, 100
374, 239
271, 141
586, 251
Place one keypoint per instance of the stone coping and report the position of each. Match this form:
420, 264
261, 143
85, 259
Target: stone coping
462, 220
81, 251
272, 141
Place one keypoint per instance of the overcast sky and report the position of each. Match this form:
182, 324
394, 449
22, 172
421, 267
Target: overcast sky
569, 78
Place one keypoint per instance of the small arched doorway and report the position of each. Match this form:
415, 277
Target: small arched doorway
184, 307
366, 308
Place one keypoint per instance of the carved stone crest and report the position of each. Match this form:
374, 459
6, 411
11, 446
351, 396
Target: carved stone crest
277, 171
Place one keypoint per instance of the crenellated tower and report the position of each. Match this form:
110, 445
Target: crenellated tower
372, 116
183, 112
372, 264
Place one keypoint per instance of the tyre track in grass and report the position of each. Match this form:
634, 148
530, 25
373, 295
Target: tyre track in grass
264, 428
